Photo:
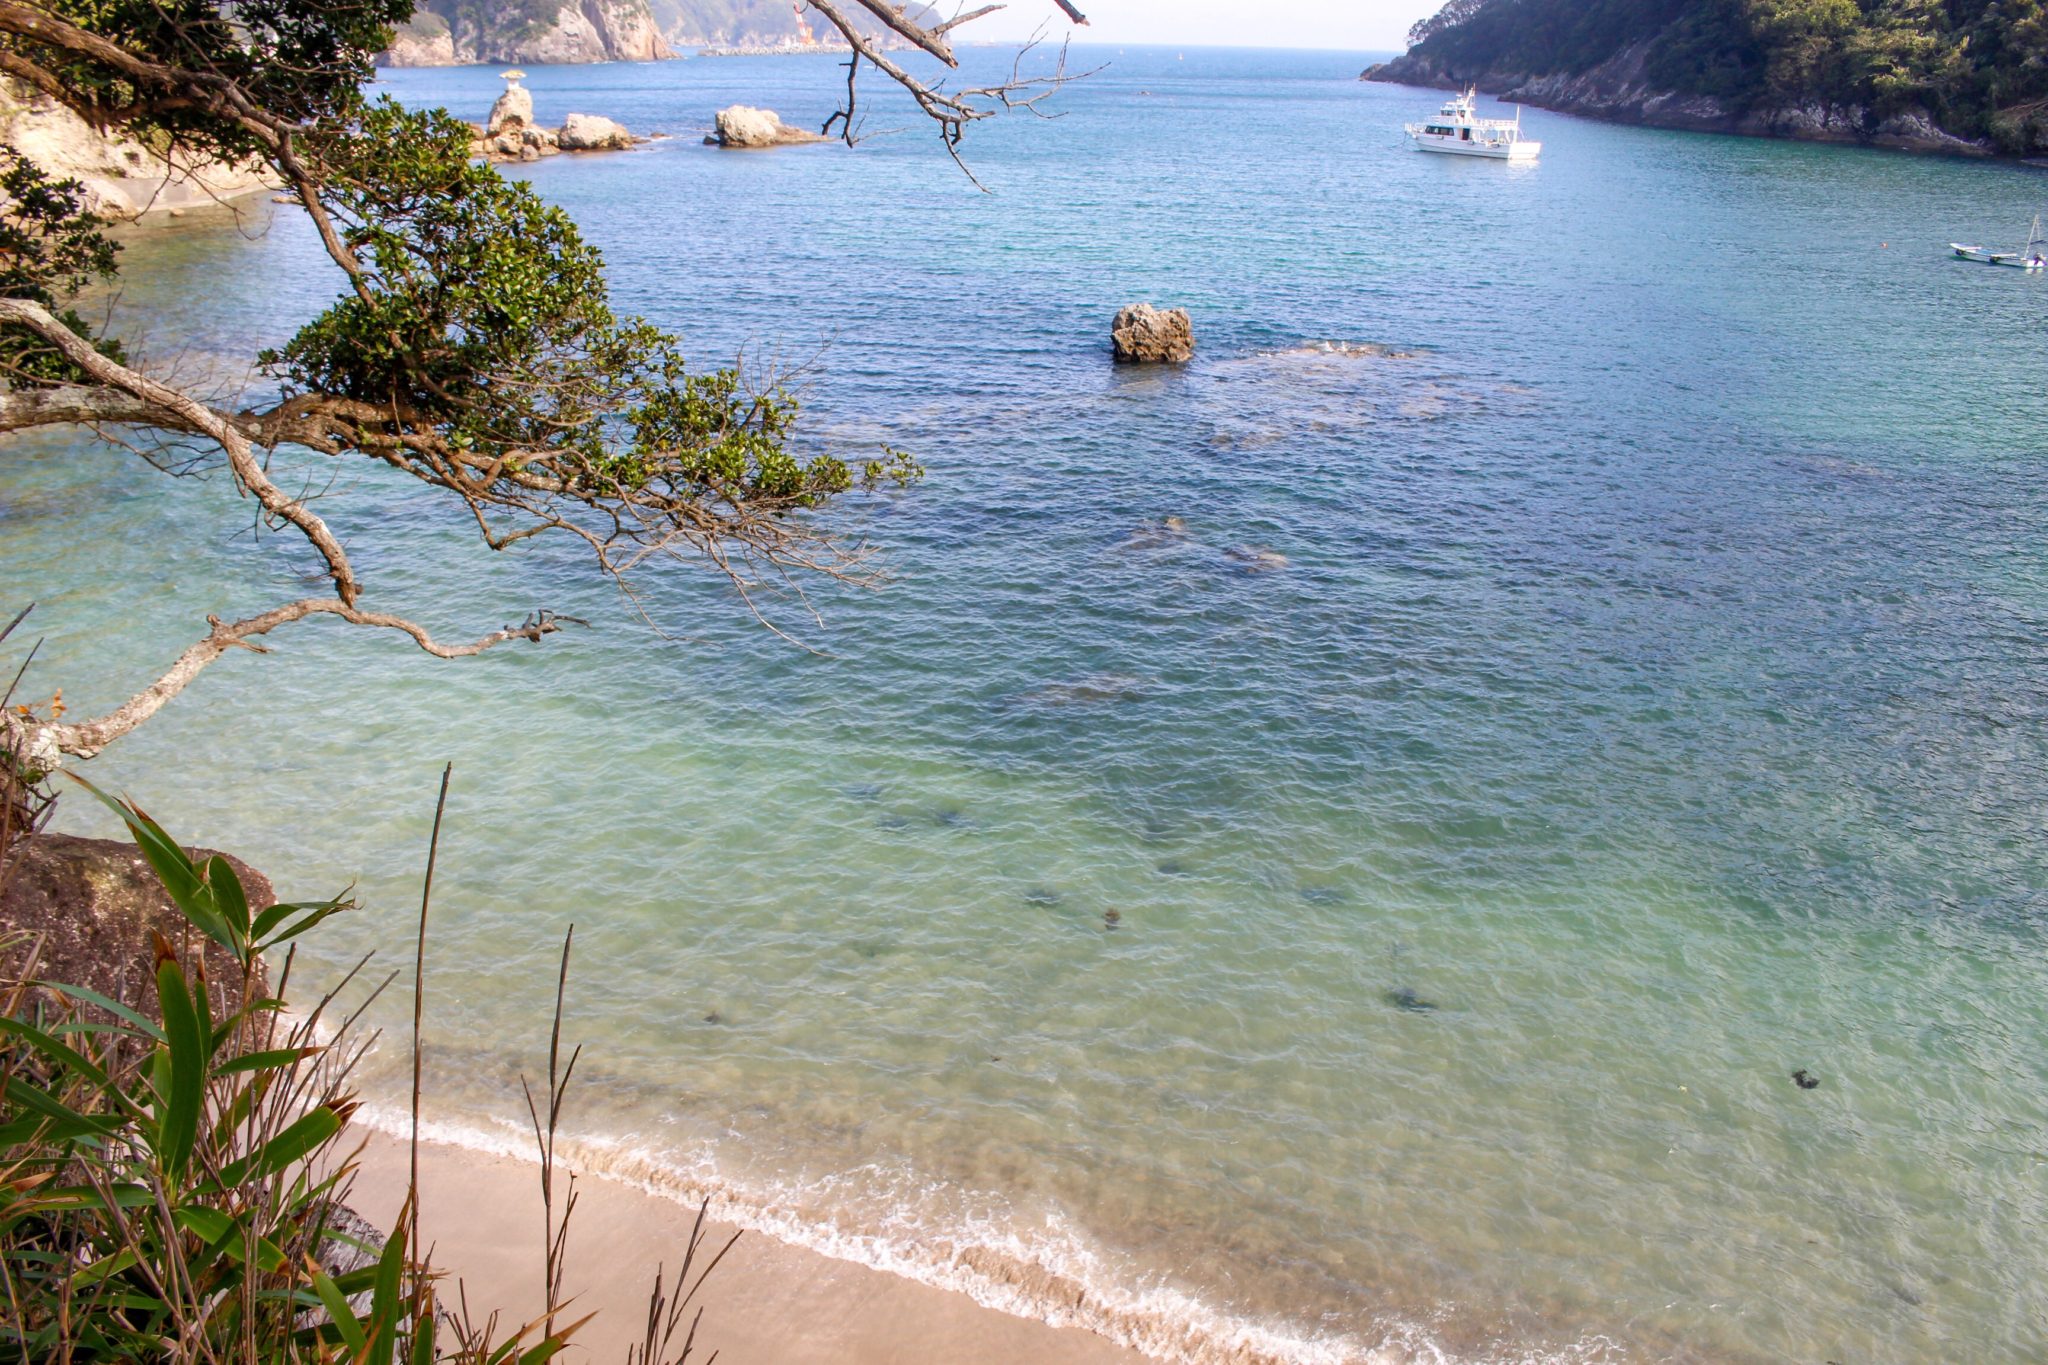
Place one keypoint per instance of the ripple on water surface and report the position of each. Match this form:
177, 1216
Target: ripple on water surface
1346, 843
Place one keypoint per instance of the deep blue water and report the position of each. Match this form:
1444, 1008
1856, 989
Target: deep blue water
1653, 686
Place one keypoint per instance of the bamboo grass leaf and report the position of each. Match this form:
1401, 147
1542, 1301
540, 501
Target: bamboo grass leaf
274, 1059
107, 1003
228, 896
185, 1054
339, 1313
296, 1141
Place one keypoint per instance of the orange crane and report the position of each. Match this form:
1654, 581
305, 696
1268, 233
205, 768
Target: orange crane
803, 25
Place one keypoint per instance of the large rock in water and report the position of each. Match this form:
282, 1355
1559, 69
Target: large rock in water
590, 133
1144, 335
742, 125
512, 112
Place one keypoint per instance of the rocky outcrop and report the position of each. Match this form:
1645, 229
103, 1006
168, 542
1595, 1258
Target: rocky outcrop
1618, 90
590, 133
742, 125
424, 40
123, 179
512, 111
93, 906
1144, 335
511, 134
456, 32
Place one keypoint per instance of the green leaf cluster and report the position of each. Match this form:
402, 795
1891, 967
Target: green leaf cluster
51, 247
484, 316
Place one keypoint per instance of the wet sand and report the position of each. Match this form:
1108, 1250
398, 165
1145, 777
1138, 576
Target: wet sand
768, 1303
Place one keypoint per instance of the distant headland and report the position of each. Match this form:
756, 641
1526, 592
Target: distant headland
1959, 79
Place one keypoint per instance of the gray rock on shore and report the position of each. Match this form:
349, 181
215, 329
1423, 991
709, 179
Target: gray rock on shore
1144, 335
742, 125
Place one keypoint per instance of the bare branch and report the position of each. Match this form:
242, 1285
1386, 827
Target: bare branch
84, 739
187, 413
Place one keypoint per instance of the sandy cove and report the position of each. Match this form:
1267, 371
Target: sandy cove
768, 1302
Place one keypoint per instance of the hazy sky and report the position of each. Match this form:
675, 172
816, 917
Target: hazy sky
1362, 24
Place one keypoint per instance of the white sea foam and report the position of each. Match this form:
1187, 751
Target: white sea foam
1047, 1271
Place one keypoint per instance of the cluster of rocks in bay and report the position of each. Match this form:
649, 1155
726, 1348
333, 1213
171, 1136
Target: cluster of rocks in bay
510, 134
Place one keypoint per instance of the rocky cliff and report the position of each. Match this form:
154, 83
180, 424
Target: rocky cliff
540, 32
1620, 90
122, 178
1962, 76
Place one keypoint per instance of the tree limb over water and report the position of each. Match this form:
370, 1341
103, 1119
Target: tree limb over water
472, 348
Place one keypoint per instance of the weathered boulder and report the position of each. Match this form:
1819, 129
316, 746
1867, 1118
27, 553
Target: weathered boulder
94, 904
590, 133
513, 111
742, 125
1144, 335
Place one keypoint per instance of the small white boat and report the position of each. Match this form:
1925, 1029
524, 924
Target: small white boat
2033, 256
1458, 130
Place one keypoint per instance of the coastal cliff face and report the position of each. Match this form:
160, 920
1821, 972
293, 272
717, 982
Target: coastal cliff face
1619, 90
122, 179
454, 32
1970, 79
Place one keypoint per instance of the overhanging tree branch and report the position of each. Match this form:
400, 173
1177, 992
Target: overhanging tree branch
473, 347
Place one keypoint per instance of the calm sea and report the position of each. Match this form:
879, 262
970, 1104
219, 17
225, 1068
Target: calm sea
1410, 946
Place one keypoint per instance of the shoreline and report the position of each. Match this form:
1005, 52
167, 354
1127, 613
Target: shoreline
769, 1302
1630, 106
1007, 1296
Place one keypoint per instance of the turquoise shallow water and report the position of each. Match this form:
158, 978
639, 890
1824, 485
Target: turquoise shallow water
1653, 686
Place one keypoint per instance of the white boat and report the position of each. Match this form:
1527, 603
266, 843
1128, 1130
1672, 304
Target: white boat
1458, 129
2033, 256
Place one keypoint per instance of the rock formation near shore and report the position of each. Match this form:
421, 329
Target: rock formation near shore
1144, 335
122, 178
742, 125
511, 112
512, 134
456, 32
95, 904
590, 133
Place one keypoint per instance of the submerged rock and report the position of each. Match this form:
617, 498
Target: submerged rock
742, 125
1155, 535
1144, 335
1253, 559
1103, 687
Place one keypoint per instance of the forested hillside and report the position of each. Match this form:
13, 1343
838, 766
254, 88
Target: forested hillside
1977, 69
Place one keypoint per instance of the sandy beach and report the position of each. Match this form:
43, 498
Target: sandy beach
768, 1303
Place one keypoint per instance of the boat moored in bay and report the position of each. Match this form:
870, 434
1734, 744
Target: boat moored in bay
2033, 256
1458, 130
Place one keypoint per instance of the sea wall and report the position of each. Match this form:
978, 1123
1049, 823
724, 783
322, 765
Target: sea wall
1619, 91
